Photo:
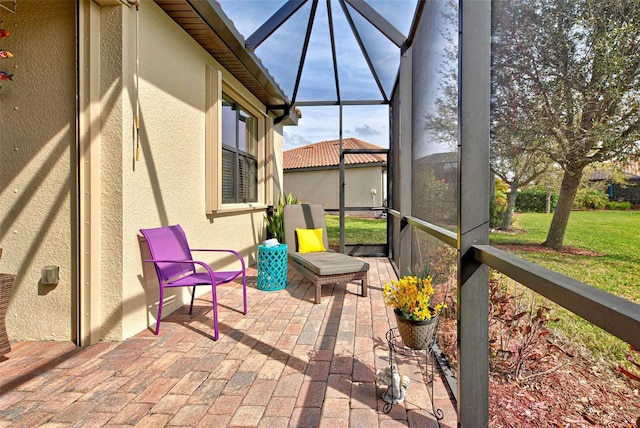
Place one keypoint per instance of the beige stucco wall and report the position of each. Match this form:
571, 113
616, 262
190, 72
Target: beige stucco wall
321, 187
38, 221
166, 186
278, 148
37, 148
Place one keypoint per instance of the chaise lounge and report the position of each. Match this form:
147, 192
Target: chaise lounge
324, 266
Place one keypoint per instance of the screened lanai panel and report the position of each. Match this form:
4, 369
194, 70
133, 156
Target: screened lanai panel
441, 261
399, 14
364, 122
281, 53
393, 172
382, 53
317, 81
321, 123
435, 117
356, 80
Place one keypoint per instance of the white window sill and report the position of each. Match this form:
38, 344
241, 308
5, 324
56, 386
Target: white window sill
237, 208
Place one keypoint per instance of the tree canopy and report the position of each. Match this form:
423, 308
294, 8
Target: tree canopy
577, 82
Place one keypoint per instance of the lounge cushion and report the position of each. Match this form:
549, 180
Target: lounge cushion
329, 263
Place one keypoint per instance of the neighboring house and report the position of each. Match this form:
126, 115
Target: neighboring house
311, 173
77, 181
626, 191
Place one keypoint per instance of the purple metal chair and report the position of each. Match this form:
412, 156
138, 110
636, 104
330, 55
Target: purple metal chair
175, 267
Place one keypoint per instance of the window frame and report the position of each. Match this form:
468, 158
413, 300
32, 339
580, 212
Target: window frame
217, 84
239, 153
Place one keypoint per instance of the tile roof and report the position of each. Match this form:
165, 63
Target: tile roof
326, 153
630, 171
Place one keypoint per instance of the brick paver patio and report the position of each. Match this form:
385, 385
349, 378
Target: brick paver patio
288, 362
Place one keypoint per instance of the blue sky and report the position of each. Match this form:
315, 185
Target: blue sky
280, 54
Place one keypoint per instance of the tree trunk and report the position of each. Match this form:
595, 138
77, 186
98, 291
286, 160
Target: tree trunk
568, 190
507, 221
547, 205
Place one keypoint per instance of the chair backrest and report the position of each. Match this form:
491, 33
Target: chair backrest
169, 243
302, 216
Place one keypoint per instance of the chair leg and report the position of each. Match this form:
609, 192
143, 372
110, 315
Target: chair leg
365, 285
318, 292
193, 295
214, 301
244, 290
159, 310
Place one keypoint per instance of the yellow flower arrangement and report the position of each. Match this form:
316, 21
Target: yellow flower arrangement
410, 297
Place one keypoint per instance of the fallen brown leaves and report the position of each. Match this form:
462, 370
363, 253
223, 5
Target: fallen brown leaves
564, 391
558, 387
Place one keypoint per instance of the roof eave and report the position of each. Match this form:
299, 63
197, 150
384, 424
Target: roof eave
208, 25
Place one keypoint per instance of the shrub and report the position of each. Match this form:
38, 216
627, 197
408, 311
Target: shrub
496, 213
590, 199
535, 200
517, 326
498, 206
613, 205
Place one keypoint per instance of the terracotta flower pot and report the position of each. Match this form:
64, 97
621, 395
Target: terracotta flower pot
417, 334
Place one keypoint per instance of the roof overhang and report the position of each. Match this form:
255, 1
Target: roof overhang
207, 24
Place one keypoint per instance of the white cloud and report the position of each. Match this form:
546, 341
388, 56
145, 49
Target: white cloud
366, 131
292, 141
369, 123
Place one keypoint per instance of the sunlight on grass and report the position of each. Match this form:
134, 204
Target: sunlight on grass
357, 230
612, 239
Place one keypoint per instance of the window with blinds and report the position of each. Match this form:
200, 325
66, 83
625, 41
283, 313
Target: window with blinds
239, 154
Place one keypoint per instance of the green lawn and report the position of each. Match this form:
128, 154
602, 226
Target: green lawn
614, 236
357, 230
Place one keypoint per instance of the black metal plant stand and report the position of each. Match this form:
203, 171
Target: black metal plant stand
396, 346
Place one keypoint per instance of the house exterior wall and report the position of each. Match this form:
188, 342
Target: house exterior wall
277, 170
167, 185
322, 187
37, 175
39, 220
629, 192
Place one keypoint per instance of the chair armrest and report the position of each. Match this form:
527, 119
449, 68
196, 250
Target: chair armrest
199, 263
169, 261
217, 250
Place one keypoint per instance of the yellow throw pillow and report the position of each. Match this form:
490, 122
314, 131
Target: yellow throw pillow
310, 240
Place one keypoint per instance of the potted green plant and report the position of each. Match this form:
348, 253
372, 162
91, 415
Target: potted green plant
274, 222
416, 317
